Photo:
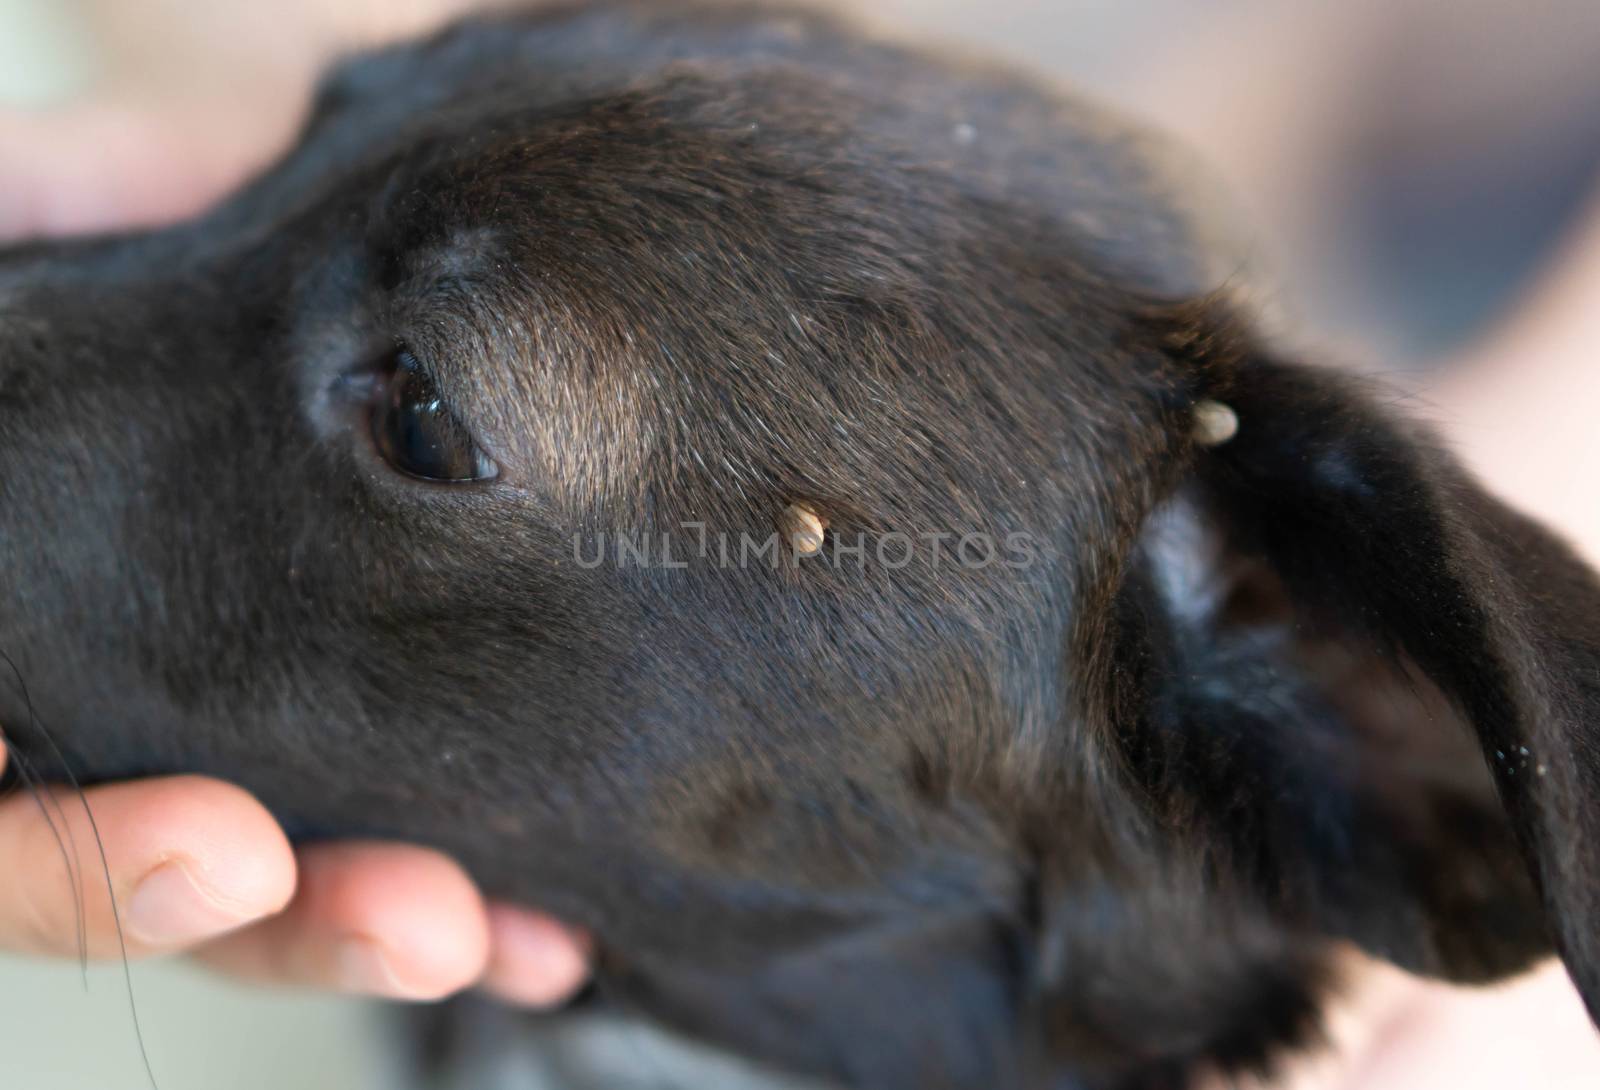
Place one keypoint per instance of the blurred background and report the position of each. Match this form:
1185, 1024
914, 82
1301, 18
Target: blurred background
1419, 180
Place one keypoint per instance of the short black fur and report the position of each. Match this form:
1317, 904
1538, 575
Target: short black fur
1099, 820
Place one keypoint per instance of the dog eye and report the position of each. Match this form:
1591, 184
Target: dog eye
416, 432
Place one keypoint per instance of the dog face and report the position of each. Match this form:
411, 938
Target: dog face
429, 489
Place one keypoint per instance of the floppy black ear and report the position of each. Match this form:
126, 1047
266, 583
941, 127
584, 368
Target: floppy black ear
1351, 618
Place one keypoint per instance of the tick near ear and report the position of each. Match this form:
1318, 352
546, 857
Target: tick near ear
1214, 423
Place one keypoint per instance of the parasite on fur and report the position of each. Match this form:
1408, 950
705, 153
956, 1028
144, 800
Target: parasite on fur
1214, 423
889, 826
805, 529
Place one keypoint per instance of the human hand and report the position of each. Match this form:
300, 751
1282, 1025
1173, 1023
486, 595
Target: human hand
181, 102
199, 865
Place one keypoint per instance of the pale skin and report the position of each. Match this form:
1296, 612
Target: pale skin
200, 866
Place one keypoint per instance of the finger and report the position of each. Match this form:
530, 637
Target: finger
114, 166
1436, 1039
379, 919
187, 859
535, 961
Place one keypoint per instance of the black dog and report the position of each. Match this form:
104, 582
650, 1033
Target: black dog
1066, 762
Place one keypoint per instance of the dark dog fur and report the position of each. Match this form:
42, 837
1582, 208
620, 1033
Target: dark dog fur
1096, 821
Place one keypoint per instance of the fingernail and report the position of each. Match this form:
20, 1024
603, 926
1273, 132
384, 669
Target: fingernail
169, 909
364, 967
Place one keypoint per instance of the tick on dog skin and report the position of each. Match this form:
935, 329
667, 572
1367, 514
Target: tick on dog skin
855, 802
1214, 423
805, 529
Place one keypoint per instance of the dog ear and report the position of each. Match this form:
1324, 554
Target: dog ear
1377, 684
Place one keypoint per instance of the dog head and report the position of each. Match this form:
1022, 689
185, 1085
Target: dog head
441, 483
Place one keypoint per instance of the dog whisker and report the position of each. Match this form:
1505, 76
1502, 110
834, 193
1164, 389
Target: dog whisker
56, 819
